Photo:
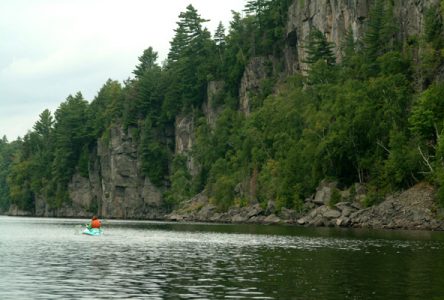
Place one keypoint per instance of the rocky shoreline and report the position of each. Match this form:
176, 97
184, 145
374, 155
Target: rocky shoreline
413, 209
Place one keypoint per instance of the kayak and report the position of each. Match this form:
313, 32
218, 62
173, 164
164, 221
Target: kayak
93, 231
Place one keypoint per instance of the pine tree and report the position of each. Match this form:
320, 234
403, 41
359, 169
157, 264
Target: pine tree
71, 135
147, 62
258, 8
219, 39
189, 28
190, 62
380, 35
318, 48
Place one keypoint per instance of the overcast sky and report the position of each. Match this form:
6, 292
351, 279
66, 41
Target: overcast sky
52, 48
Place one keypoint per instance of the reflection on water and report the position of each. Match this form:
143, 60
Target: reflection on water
49, 259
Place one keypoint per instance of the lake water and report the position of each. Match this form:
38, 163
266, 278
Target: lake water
50, 259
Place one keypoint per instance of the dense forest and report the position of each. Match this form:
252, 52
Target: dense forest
373, 115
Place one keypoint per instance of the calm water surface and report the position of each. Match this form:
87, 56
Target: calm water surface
49, 259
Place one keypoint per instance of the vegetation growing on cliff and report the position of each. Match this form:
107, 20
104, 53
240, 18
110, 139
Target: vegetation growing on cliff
375, 117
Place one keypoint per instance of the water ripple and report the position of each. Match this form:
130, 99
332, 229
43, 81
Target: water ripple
48, 259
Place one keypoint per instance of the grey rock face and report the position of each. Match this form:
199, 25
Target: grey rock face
332, 214
210, 108
15, 211
254, 73
272, 219
412, 209
125, 193
324, 192
184, 135
336, 17
115, 187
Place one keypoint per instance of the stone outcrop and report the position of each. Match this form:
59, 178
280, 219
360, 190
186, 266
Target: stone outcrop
324, 192
413, 209
324, 215
115, 187
200, 209
336, 17
15, 211
125, 192
211, 107
184, 136
254, 73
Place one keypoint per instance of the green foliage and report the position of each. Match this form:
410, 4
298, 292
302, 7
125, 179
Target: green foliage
269, 18
392, 63
180, 189
322, 73
432, 42
105, 108
434, 27
356, 121
83, 164
222, 184
7, 151
71, 135
402, 162
190, 62
147, 62
373, 197
379, 31
380, 35
153, 154
318, 48
335, 197
144, 95
426, 120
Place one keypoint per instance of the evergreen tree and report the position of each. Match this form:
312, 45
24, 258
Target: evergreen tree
71, 135
144, 95
189, 29
258, 8
147, 62
380, 34
219, 39
434, 27
44, 125
190, 62
7, 151
318, 48
154, 155
106, 107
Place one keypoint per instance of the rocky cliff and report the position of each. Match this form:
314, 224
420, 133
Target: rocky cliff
337, 17
334, 18
115, 187
125, 192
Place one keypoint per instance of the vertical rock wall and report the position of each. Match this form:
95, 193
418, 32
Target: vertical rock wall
336, 17
115, 187
254, 73
185, 140
210, 108
125, 192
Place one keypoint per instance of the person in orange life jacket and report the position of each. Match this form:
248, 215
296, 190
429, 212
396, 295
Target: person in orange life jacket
95, 223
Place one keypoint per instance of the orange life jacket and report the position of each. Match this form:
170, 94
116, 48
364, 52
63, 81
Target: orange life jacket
96, 223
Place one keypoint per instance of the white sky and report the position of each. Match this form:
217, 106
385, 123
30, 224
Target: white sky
52, 48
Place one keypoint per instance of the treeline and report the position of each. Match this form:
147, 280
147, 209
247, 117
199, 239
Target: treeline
45, 159
375, 117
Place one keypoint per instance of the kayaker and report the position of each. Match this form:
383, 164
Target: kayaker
95, 223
